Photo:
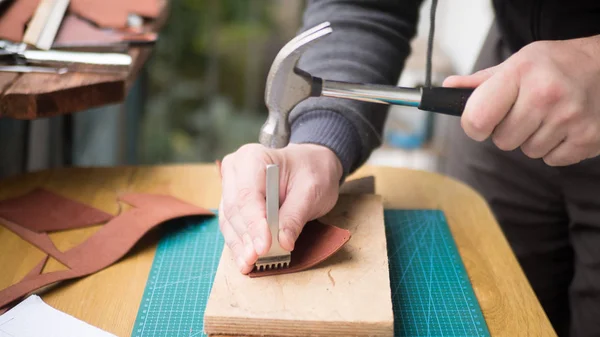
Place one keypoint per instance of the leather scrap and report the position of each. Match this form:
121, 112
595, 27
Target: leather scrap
113, 13
40, 240
44, 211
316, 243
75, 31
32, 273
37, 269
109, 244
14, 19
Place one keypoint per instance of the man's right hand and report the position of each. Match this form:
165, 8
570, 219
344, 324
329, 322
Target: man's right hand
309, 183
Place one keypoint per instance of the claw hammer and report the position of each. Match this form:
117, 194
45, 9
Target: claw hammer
287, 85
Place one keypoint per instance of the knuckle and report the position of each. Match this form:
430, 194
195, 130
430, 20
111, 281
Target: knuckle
477, 127
548, 93
524, 64
256, 152
252, 149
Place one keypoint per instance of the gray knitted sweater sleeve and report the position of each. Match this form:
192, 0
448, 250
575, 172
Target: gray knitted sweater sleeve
369, 44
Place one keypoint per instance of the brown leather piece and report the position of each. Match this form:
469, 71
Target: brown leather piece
316, 243
77, 31
109, 244
14, 19
32, 273
40, 240
37, 269
113, 13
43, 211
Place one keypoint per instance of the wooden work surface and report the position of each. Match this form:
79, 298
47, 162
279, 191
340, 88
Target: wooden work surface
347, 295
36, 95
110, 298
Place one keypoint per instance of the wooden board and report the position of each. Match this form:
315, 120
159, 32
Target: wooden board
349, 294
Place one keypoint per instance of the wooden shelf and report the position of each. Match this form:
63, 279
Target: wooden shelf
35, 95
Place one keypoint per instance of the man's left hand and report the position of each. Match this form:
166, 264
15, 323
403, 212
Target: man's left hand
544, 99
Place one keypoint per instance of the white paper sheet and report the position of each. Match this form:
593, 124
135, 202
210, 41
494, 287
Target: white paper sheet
34, 318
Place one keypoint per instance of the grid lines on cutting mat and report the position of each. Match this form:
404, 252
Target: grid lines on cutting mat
179, 281
431, 291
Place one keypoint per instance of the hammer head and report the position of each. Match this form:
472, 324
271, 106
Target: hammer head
287, 86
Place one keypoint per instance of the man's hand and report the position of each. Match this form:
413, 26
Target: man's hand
544, 99
309, 182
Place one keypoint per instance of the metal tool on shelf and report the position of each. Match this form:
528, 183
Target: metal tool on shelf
33, 69
19, 54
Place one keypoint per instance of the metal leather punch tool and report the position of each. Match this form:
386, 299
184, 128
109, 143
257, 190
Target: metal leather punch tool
277, 257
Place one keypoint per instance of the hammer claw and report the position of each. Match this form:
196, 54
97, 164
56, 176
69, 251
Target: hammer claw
287, 86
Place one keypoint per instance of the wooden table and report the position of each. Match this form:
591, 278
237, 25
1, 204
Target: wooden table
110, 298
35, 95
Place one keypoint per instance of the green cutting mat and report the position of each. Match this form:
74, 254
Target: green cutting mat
431, 292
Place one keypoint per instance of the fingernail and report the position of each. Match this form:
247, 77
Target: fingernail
259, 245
289, 233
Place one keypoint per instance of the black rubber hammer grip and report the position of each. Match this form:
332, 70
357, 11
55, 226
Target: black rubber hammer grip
449, 101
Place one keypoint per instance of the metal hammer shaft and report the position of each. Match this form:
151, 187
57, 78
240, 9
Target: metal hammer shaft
450, 101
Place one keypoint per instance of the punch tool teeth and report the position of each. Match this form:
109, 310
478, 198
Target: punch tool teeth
276, 257
274, 262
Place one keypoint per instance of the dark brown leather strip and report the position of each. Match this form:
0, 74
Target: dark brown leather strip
44, 211
316, 243
110, 243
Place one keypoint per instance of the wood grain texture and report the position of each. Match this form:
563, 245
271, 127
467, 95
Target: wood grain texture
347, 295
43, 95
110, 298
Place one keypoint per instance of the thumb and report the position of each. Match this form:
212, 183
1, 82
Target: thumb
470, 81
294, 213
